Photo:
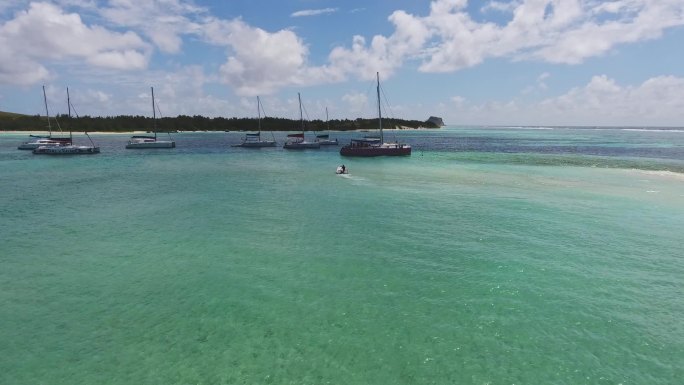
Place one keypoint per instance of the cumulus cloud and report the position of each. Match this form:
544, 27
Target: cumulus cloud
356, 102
558, 31
314, 12
163, 22
45, 32
602, 101
499, 6
179, 91
260, 62
384, 54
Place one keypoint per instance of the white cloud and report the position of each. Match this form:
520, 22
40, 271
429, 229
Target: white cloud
357, 103
458, 100
499, 6
260, 62
163, 21
602, 101
44, 33
558, 31
383, 54
314, 12
100, 96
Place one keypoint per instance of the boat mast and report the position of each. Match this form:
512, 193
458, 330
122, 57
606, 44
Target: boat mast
47, 113
69, 106
301, 117
327, 125
154, 115
259, 114
382, 140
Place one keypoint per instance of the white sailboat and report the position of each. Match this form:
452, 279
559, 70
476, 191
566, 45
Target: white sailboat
70, 148
297, 141
148, 141
45, 141
324, 139
253, 140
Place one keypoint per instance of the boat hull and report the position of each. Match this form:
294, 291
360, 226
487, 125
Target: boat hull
157, 144
401, 150
302, 145
328, 142
259, 144
67, 150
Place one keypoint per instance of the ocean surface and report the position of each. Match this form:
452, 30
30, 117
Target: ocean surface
492, 255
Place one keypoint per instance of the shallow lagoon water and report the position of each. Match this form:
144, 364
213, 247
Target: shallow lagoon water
491, 255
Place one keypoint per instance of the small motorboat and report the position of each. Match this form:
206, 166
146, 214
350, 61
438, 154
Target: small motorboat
341, 169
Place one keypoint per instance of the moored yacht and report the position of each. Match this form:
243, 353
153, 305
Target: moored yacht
149, 141
144, 141
324, 139
253, 140
297, 141
69, 148
368, 147
49, 140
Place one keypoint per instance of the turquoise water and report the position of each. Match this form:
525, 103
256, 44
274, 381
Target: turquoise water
490, 256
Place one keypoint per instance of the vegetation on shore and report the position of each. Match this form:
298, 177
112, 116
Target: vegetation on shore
17, 122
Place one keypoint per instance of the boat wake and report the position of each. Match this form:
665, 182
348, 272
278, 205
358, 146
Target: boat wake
355, 180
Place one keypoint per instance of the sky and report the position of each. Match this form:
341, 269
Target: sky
519, 62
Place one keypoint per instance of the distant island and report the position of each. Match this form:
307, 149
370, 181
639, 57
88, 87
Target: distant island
18, 122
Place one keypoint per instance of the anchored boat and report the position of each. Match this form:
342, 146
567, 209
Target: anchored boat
368, 147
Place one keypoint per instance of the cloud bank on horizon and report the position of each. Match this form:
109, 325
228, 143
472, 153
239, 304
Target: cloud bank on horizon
188, 48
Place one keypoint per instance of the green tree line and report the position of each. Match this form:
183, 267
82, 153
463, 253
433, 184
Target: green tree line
190, 123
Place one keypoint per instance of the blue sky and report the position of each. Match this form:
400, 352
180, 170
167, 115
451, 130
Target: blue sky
520, 62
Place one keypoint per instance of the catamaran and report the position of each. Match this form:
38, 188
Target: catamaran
148, 141
375, 146
297, 141
70, 148
49, 140
253, 140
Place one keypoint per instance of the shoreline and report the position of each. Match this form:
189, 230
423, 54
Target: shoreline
39, 132
74, 133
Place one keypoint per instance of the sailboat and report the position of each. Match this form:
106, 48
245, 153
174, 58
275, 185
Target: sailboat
48, 140
253, 140
148, 141
368, 147
297, 141
70, 148
324, 139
